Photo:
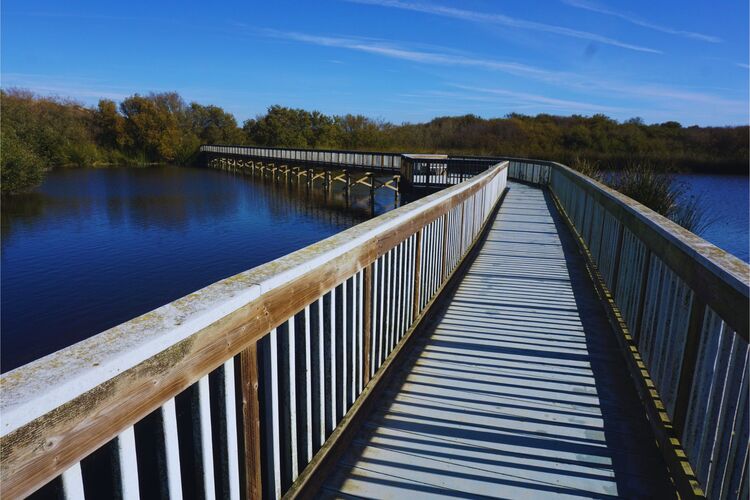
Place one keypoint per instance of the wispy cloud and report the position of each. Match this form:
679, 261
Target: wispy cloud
531, 99
584, 4
395, 51
503, 20
485, 98
581, 83
743, 65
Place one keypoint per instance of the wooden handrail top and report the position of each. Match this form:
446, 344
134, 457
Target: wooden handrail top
341, 151
722, 279
41, 386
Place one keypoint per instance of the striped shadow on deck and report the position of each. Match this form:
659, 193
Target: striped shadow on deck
517, 388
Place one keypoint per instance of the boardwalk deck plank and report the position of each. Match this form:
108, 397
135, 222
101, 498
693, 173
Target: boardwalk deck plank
517, 389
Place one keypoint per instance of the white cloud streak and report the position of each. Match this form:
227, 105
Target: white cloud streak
590, 6
525, 98
653, 93
503, 20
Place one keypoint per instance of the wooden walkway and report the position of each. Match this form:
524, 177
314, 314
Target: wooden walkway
516, 389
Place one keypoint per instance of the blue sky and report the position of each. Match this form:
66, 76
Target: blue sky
398, 60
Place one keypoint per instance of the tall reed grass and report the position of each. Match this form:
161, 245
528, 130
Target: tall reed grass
660, 191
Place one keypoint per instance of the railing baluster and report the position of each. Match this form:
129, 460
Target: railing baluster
361, 333
206, 442
171, 448
368, 306
398, 291
389, 293
381, 312
333, 356
273, 453
230, 411
321, 374
416, 309
354, 334
344, 357
128, 463
72, 483
308, 387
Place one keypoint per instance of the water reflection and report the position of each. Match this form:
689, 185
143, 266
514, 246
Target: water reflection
94, 247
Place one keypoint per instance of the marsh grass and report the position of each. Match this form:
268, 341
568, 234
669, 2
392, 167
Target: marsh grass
660, 191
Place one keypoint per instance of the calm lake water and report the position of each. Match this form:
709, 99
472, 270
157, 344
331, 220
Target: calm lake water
92, 248
726, 203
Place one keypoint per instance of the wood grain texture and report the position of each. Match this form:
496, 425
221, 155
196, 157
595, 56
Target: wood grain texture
251, 422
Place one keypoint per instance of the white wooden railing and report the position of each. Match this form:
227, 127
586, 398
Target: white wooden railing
682, 308
388, 162
238, 389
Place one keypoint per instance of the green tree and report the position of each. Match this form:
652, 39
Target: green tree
20, 168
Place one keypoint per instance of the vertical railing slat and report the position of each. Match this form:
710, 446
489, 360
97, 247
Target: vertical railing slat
171, 448
321, 374
72, 483
291, 398
417, 274
206, 442
128, 464
230, 411
273, 439
367, 309
308, 388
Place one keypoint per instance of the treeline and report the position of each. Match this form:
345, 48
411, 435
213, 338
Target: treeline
41, 132
561, 138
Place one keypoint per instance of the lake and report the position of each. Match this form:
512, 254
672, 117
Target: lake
92, 248
726, 204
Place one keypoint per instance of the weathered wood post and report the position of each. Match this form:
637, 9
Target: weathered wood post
251, 420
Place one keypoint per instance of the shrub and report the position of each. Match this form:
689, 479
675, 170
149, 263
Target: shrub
20, 168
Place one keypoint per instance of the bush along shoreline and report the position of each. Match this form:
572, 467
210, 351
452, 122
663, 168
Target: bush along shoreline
38, 133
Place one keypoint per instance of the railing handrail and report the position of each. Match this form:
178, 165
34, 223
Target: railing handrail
345, 151
448, 156
726, 286
146, 356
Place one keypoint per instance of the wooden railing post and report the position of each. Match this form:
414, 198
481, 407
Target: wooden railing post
417, 264
366, 324
251, 422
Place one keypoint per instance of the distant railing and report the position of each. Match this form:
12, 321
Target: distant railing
439, 171
683, 304
386, 162
232, 390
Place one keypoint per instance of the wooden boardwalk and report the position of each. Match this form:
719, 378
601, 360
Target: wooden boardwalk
516, 388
